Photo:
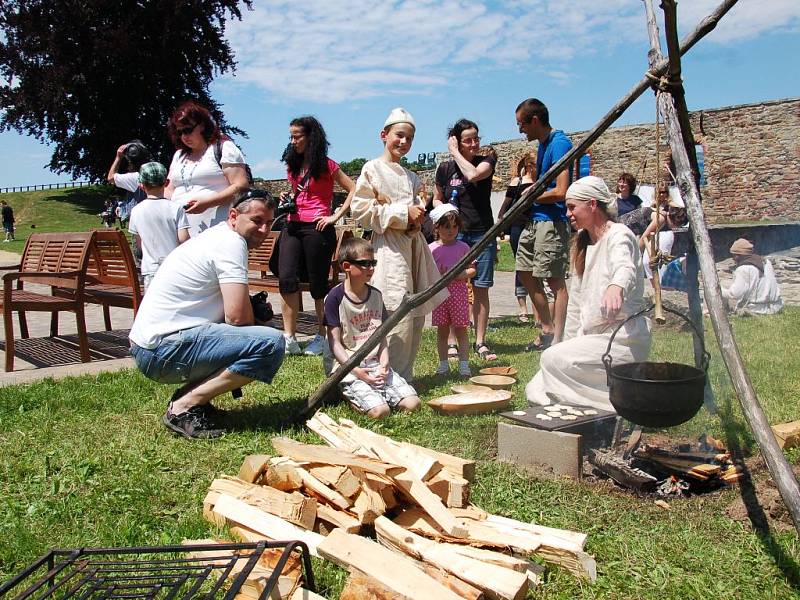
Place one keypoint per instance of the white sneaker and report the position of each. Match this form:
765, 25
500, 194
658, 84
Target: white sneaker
315, 346
292, 347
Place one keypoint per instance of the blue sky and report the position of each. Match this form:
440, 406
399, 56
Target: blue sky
349, 63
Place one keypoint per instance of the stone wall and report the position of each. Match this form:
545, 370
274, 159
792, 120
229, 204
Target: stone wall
751, 153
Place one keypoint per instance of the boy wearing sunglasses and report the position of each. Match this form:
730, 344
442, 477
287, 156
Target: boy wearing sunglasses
353, 311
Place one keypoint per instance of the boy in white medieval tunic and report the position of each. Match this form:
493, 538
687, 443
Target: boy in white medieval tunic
386, 202
606, 287
754, 290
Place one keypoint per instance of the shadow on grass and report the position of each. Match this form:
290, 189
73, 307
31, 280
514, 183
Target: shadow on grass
87, 200
737, 438
277, 415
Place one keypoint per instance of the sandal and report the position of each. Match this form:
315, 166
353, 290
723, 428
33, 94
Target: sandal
452, 352
543, 342
523, 318
484, 353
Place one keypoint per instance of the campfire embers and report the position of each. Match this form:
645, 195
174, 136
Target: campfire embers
683, 471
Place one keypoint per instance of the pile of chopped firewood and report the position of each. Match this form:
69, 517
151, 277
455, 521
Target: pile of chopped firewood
705, 467
431, 543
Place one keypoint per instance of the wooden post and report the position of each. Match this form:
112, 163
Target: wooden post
675, 116
526, 200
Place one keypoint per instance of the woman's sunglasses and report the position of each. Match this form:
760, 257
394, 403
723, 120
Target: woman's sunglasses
186, 130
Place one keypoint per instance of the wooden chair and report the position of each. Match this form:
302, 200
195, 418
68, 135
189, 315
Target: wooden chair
55, 259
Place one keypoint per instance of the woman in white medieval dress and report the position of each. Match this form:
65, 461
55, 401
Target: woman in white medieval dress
606, 287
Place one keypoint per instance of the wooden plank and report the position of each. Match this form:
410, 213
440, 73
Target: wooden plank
497, 581
430, 503
360, 586
331, 456
294, 507
253, 467
395, 571
338, 518
480, 533
269, 525
339, 478
304, 594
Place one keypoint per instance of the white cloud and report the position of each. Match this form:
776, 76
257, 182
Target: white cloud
334, 51
269, 168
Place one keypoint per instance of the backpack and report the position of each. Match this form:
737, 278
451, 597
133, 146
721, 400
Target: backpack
218, 157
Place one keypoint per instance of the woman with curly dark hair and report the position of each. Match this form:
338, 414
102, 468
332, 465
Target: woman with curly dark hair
626, 199
198, 180
309, 237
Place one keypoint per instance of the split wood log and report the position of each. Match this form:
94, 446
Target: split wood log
331, 456
496, 581
282, 474
292, 568
339, 478
338, 518
294, 507
517, 210
431, 503
565, 538
253, 467
360, 586
679, 135
551, 548
274, 528
395, 571
369, 504
452, 489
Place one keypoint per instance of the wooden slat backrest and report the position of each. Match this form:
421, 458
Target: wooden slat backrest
110, 259
56, 253
258, 258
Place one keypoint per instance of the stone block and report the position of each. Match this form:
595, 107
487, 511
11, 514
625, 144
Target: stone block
529, 448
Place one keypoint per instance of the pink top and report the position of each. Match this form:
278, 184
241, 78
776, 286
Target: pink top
448, 255
316, 199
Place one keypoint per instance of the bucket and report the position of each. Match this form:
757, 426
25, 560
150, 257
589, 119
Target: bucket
654, 394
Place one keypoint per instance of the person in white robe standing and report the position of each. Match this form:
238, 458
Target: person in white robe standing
606, 287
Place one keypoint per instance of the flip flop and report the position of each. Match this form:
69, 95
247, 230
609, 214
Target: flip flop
484, 352
543, 342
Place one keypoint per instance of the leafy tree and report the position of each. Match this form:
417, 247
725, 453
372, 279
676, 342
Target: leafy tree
352, 167
88, 75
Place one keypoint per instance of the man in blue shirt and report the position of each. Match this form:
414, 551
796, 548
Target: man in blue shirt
543, 251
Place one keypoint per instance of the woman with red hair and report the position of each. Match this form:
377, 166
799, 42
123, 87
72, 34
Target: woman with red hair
207, 170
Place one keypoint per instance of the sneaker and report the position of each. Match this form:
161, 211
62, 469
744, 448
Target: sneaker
193, 424
463, 370
442, 369
292, 347
315, 346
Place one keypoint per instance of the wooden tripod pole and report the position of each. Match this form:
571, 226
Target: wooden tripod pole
526, 200
676, 118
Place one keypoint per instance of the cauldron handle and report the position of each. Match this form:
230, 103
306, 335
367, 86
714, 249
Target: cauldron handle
607, 355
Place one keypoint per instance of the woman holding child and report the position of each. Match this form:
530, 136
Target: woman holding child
309, 239
465, 181
207, 170
606, 287
386, 201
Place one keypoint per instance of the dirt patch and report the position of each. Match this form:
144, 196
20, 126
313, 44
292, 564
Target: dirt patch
760, 504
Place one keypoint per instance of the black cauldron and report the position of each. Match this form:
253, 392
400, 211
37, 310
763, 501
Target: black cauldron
654, 394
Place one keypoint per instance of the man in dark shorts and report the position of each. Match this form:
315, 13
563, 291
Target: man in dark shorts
8, 221
543, 251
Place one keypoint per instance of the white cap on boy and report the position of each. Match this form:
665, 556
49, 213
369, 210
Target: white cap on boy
440, 211
399, 115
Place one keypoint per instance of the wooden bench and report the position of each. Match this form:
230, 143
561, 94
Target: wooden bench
59, 260
111, 275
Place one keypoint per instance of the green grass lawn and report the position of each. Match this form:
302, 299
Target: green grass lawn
86, 462
71, 209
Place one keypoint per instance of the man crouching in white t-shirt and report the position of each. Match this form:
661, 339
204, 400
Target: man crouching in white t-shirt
157, 224
195, 325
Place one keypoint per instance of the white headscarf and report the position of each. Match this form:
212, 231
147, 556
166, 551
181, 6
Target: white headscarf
591, 187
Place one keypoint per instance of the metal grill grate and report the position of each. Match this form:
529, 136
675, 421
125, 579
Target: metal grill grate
161, 573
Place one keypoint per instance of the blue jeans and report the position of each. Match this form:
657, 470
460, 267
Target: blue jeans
196, 354
484, 276
514, 233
